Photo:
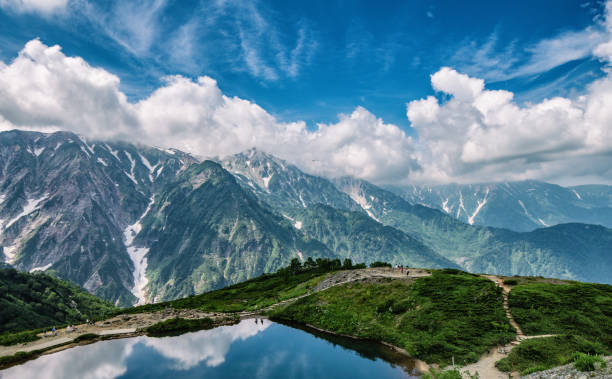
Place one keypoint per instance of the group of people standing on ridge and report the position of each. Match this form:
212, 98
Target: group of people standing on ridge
402, 268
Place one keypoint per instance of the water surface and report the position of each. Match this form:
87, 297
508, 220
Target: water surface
249, 349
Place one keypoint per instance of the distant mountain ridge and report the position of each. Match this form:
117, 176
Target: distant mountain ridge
520, 206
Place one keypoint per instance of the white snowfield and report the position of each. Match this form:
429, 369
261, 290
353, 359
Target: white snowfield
138, 255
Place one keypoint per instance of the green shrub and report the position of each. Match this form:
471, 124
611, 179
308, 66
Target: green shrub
7, 339
533, 369
585, 362
511, 282
380, 264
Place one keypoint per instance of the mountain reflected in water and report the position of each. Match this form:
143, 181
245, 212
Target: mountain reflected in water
248, 349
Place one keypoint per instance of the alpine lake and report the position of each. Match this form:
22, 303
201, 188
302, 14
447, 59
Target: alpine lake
253, 348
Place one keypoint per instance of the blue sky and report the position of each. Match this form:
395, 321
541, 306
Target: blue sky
393, 92
312, 60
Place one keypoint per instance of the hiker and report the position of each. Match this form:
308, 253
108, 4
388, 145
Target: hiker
54, 331
407, 272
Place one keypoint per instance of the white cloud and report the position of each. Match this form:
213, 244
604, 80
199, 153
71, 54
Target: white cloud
263, 49
44, 89
44, 7
135, 25
490, 61
483, 135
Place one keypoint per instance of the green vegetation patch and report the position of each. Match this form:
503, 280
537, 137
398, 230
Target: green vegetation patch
32, 301
86, 337
540, 354
449, 314
581, 309
587, 362
7, 339
176, 326
257, 293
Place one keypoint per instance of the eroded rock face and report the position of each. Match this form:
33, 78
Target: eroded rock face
570, 372
65, 201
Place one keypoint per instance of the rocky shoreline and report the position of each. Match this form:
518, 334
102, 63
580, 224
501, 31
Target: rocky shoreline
570, 372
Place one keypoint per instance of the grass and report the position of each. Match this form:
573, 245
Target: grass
253, 294
177, 326
580, 309
540, 354
13, 338
449, 314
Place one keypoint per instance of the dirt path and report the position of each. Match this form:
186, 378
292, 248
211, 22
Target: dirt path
116, 326
485, 367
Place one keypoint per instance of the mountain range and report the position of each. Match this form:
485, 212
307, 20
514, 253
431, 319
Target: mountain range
520, 206
135, 224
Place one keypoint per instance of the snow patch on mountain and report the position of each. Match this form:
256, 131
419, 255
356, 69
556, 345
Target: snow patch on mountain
445, 206
114, 153
42, 268
357, 197
133, 165
461, 205
138, 255
303, 202
9, 253
266, 182
577, 194
85, 151
148, 165
481, 204
542, 222
102, 162
86, 145
159, 171
31, 206
298, 225
36, 151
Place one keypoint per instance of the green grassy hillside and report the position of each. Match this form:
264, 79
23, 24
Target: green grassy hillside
30, 301
449, 314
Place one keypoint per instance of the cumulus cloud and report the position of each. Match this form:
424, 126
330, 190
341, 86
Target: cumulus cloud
43, 89
481, 134
44, 7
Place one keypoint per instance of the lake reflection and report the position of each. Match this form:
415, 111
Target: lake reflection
244, 350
